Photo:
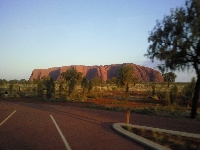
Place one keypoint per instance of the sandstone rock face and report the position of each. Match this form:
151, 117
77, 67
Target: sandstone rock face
106, 72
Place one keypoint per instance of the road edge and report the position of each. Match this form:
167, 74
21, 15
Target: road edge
137, 138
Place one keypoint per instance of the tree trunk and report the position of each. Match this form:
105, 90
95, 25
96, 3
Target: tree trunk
195, 98
127, 113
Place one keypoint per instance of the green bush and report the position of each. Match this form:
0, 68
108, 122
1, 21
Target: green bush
94, 94
167, 98
144, 110
114, 88
153, 89
173, 94
161, 94
187, 92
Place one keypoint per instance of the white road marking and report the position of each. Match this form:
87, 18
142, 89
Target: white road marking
62, 136
7, 118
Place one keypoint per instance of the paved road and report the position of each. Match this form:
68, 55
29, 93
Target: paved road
46, 126
32, 127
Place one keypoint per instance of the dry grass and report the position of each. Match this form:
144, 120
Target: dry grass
168, 140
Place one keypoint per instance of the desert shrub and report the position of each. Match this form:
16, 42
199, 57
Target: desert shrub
114, 88
187, 92
50, 86
71, 88
94, 94
173, 94
161, 94
107, 95
28, 89
167, 98
62, 95
61, 88
1, 91
148, 92
153, 89
144, 110
84, 85
99, 107
34, 90
11, 88
151, 93
75, 95
117, 109
172, 141
40, 88
12, 95
21, 93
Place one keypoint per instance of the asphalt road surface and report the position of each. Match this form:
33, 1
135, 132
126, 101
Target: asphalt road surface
45, 126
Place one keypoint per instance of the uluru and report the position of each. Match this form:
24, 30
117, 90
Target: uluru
105, 72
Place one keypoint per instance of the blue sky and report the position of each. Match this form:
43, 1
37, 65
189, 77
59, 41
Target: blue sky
54, 33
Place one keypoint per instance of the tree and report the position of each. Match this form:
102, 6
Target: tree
1, 83
125, 77
113, 80
175, 41
173, 94
22, 81
72, 73
15, 81
169, 77
61, 83
84, 85
188, 91
90, 86
135, 80
95, 81
40, 88
11, 87
72, 84
153, 86
72, 77
34, 89
50, 85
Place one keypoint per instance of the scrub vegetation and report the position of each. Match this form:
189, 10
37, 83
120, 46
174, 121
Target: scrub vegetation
172, 141
149, 98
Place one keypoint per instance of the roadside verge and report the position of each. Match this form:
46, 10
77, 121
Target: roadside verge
137, 138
